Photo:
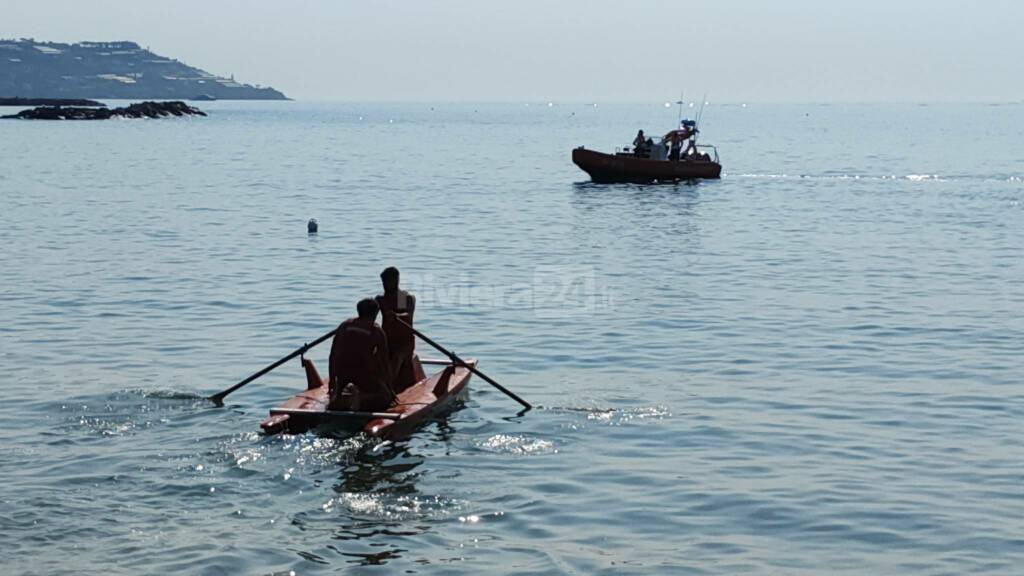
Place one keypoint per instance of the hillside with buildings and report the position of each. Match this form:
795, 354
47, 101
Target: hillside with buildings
111, 70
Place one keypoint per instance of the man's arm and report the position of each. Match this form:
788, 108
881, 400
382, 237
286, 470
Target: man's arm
410, 308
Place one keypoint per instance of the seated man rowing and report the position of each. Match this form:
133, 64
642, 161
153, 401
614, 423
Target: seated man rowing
360, 373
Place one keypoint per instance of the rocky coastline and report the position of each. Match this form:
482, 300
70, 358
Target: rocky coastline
147, 109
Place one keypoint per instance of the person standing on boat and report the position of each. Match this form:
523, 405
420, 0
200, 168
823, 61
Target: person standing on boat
691, 149
677, 145
398, 307
360, 374
639, 143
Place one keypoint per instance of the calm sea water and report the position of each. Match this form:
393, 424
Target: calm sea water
811, 366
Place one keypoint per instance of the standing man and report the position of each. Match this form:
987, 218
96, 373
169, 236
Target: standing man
676, 143
398, 306
360, 370
639, 144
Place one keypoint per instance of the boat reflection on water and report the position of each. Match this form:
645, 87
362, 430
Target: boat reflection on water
668, 223
641, 213
377, 502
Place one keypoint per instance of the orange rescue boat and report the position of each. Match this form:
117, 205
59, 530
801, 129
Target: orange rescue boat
673, 157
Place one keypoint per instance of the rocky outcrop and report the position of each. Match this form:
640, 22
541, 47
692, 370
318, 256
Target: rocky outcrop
140, 110
158, 110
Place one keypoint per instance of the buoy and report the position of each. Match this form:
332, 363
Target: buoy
312, 226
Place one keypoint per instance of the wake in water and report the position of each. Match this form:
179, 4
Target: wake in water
616, 416
883, 177
125, 412
168, 394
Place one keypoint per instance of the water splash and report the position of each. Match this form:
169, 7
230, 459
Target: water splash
517, 444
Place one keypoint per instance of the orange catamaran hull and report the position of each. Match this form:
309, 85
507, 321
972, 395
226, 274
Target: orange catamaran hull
414, 405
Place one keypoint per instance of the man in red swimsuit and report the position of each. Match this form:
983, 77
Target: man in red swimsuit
398, 306
360, 369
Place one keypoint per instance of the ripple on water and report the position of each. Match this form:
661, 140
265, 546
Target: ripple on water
521, 445
387, 506
619, 417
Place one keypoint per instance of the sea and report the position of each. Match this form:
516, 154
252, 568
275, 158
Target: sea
814, 365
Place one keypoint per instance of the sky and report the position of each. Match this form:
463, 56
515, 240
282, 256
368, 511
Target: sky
570, 50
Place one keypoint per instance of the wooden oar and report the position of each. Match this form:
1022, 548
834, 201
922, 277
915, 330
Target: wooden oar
218, 398
458, 362
343, 414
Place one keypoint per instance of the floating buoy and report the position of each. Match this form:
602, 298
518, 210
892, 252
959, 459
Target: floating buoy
312, 226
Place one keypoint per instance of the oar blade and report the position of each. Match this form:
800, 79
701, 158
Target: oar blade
458, 361
218, 398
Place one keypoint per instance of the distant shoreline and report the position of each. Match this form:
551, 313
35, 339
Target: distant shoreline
120, 70
51, 102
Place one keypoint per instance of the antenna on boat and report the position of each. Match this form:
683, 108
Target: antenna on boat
680, 102
701, 113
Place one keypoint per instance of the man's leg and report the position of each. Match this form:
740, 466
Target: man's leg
401, 367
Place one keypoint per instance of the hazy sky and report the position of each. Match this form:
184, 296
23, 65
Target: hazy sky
579, 50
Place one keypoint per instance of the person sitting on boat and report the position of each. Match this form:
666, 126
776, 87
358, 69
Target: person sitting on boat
360, 374
640, 144
398, 306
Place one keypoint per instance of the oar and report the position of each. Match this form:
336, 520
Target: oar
458, 362
218, 398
